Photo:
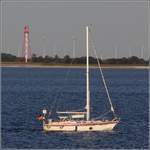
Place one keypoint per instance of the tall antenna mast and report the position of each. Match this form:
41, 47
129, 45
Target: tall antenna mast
130, 52
74, 43
87, 76
43, 46
26, 45
142, 49
116, 52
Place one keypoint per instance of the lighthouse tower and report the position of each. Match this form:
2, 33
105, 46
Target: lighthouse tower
26, 45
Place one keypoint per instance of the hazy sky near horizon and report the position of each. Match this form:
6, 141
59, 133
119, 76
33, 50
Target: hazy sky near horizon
118, 28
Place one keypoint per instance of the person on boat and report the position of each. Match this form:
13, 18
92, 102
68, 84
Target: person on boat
44, 117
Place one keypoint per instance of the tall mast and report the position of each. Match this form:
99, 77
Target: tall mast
87, 76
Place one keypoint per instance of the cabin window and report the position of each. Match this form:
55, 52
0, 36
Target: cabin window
61, 127
90, 128
75, 128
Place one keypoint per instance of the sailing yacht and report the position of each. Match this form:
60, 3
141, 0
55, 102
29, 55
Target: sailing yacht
80, 121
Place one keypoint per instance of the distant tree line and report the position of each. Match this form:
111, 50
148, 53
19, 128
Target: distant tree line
68, 60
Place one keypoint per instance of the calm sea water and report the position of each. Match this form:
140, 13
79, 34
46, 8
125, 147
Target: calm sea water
26, 91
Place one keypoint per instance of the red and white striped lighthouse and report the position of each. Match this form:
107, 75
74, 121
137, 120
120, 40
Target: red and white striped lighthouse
26, 45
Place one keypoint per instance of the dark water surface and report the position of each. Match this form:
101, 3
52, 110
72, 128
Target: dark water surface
25, 91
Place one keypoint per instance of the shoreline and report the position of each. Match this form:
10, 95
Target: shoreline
73, 66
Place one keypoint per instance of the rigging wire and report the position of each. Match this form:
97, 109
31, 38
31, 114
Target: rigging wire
61, 93
60, 89
103, 114
103, 79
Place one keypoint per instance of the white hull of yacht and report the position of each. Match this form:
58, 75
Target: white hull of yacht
80, 126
